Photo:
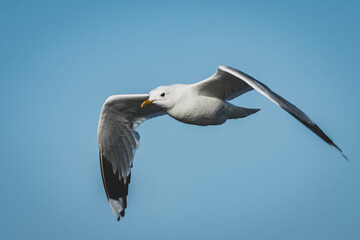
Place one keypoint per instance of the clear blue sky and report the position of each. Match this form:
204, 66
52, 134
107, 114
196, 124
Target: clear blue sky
263, 177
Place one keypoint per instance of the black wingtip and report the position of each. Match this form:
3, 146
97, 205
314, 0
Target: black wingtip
345, 157
116, 189
340, 151
122, 213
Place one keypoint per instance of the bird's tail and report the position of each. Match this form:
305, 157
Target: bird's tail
239, 112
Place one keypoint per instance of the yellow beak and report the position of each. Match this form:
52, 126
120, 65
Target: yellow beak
146, 102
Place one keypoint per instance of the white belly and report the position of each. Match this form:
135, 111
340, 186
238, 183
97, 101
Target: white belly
204, 111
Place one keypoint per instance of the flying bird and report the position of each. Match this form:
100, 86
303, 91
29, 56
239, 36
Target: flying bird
203, 103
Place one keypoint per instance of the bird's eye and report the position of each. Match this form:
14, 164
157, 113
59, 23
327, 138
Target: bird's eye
162, 95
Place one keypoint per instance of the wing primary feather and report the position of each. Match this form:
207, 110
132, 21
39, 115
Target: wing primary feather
116, 189
283, 103
320, 133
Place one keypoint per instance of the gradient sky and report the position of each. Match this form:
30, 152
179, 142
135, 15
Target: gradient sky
262, 177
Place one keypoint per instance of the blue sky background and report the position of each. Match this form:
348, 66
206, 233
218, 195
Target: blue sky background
263, 177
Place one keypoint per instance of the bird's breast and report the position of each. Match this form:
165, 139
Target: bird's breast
200, 111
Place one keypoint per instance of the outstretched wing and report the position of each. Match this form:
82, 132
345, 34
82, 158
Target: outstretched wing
223, 85
118, 141
228, 83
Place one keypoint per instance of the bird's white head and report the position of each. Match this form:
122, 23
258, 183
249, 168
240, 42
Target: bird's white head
163, 96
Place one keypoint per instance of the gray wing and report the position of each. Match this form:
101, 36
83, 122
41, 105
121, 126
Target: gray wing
118, 140
228, 83
223, 85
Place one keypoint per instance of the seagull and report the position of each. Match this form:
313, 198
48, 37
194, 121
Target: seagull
203, 103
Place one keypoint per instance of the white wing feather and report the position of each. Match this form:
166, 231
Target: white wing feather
118, 141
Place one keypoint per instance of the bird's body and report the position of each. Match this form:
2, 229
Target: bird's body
193, 108
203, 103
201, 111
